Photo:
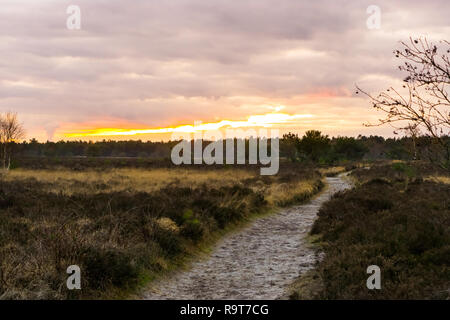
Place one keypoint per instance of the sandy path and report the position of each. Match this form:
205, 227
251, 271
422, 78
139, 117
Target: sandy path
258, 262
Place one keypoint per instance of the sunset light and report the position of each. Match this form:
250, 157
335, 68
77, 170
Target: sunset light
255, 121
225, 156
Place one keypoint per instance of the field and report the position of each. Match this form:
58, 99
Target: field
125, 226
396, 217
128, 222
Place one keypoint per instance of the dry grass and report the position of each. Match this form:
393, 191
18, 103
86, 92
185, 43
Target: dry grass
91, 181
441, 179
282, 194
124, 226
332, 171
69, 182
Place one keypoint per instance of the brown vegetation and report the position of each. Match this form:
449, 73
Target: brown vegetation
395, 219
119, 229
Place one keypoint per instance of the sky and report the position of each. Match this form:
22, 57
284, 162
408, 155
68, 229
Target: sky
140, 69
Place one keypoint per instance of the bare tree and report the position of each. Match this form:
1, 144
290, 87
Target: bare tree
422, 105
10, 130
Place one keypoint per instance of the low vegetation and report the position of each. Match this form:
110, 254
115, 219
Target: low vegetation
396, 218
124, 227
122, 179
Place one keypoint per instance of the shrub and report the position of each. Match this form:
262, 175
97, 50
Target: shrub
404, 229
116, 234
103, 267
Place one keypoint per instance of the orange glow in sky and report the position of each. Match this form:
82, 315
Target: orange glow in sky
255, 121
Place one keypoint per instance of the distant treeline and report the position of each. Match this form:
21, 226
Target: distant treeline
313, 146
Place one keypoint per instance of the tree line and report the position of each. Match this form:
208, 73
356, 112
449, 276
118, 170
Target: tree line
313, 146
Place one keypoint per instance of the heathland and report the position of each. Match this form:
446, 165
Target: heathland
396, 217
125, 226
127, 221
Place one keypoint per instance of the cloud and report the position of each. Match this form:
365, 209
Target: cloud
165, 63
